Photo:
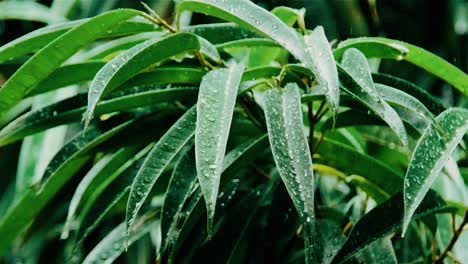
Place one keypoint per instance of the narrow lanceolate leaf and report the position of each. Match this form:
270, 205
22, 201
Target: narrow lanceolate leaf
433, 150
283, 113
157, 161
324, 65
29, 10
114, 244
61, 169
102, 173
109, 48
247, 14
37, 39
71, 110
216, 101
129, 63
399, 50
94, 212
67, 75
432, 103
409, 108
55, 53
383, 220
351, 161
184, 180
355, 65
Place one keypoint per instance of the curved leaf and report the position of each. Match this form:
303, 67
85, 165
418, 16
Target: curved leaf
218, 33
357, 80
382, 221
283, 113
111, 47
399, 50
114, 244
30, 11
67, 75
37, 39
216, 101
55, 53
184, 180
95, 210
257, 19
102, 173
157, 161
133, 61
324, 65
60, 170
431, 102
429, 156
71, 110
351, 161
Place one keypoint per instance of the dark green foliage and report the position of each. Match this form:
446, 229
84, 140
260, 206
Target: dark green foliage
227, 133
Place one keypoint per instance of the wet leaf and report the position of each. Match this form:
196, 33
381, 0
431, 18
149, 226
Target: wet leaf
324, 65
114, 244
37, 39
26, 10
432, 151
215, 106
383, 220
49, 58
399, 50
61, 169
98, 177
257, 19
157, 161
290, 149
136, 59
361, 86
71, 110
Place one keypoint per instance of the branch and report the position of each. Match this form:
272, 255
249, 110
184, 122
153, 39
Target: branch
455, 237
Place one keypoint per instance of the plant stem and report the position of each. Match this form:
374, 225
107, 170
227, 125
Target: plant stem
455, 237
155, 18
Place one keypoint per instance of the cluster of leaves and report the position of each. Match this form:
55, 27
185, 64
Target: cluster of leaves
251, 140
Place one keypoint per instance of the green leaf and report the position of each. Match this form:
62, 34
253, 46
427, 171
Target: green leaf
399, 50
218, 33
133, 61
247, 43
397, 97
167, 75
324, 65
357, 80
95, 210
102, 51
61, 169
431, 102
410, 109
288, 15
216, 101
157, 161
97, 178
67, 75
257, 19
71, 110
283, 113
30, 11
184, 181
49, 58
432, 151
383, 220
37, 39
115, 243
350, 161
